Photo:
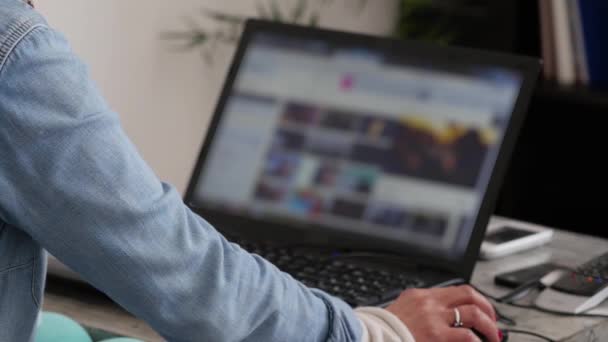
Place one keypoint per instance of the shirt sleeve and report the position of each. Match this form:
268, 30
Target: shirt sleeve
71, 179
380, 325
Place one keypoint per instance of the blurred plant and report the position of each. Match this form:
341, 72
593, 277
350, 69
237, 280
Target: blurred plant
421, 19
218, 27
440, 21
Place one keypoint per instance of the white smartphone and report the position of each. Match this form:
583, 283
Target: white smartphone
508, 237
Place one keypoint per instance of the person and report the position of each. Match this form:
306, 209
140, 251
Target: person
73, 184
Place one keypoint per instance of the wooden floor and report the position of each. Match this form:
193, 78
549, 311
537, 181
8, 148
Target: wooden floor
95, 311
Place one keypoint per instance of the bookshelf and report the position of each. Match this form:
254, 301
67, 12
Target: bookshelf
574, 95
558, 176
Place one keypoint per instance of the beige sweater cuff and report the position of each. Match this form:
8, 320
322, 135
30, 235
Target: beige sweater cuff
380, 325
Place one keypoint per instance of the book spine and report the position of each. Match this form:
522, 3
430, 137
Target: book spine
547, 39
594, 14
580, 52
566, 74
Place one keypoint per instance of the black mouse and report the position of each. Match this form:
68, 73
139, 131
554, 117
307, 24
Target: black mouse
505, 336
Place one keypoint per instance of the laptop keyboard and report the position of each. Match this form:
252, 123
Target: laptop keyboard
357, 285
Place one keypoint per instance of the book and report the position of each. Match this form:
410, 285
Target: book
547, 39
578, 42
564, 52
594, 18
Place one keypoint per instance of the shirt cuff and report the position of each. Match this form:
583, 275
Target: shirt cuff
379, 325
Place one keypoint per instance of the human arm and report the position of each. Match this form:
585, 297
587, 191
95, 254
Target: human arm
72, 180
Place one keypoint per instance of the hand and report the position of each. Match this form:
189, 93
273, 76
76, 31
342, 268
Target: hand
429, 314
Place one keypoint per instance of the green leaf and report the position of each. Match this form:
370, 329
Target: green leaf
299, 10
176, 35
276, 11
314, 19
191, 39
223, 17
197, 39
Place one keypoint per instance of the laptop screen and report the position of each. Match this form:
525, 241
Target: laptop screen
359, 141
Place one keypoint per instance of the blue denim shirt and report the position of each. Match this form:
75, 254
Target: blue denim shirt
72, 183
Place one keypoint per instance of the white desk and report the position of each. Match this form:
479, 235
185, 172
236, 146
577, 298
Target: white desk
566, 249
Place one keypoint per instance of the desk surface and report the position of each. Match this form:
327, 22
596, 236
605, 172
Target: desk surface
566, 248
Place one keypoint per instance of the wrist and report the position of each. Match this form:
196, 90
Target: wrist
380, 325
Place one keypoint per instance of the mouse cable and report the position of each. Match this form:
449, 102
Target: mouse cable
533, 307
523, 332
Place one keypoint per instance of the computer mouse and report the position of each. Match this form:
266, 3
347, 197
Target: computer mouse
505, 336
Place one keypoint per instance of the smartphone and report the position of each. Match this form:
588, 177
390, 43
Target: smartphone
513, 237
521, 276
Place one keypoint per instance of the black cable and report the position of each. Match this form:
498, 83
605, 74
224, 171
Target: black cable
557, 313
523, 332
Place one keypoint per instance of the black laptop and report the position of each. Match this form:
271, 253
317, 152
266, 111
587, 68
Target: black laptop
360, 165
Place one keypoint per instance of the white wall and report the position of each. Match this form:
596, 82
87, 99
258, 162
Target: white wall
165, 98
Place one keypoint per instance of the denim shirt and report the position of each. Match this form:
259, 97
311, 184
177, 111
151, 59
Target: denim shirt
73, 184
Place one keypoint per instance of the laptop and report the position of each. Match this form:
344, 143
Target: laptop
360, 165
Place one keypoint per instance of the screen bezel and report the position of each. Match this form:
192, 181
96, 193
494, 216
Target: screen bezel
323, 236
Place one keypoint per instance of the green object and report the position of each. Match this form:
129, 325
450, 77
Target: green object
58, 328
429, 20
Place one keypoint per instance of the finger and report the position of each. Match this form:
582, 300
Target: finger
473, 317
463, 295
462, 335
